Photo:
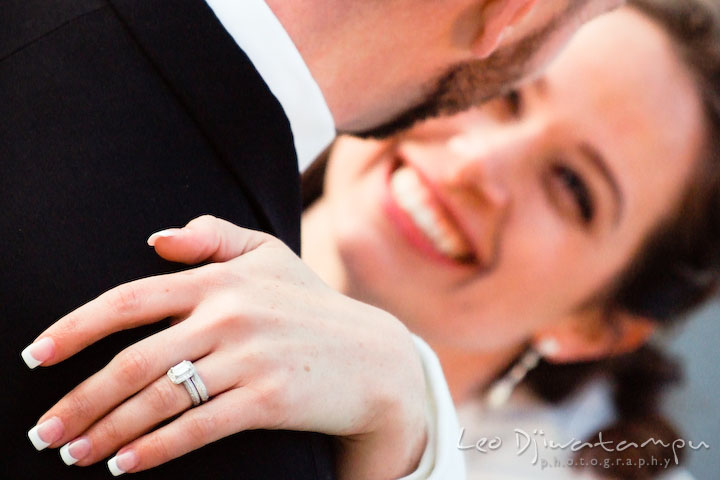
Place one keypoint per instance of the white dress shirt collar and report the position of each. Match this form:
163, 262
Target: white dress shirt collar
256, 29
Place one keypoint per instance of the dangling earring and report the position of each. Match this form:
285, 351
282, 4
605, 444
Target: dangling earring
502, 389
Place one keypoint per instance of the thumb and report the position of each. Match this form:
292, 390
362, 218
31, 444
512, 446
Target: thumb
206, 238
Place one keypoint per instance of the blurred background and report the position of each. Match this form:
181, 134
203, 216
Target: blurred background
695, 405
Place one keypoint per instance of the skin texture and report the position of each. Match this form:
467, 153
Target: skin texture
493, 168
270, 357
402, 66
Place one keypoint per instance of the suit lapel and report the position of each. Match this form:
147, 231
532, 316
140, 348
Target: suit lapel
227, 98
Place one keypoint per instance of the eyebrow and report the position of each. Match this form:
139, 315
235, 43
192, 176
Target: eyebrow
598, 161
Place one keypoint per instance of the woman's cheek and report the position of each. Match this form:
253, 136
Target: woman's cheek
350, 160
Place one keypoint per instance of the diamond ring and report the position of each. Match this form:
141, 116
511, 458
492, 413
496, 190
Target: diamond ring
184, 372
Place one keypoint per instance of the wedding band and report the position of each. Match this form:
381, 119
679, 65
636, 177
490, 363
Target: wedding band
184, 372
200, 387
192, 391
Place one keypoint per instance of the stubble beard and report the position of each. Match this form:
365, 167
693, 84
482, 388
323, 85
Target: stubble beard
473, 83
460, 88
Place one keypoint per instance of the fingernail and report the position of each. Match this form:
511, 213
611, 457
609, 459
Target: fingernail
548, 347
45, 433
38, 352
171, 232
73, 451
120, 464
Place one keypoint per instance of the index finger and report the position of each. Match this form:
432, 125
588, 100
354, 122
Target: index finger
129, 305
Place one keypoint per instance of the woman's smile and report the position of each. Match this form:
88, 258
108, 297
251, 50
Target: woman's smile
508, 214
419, 214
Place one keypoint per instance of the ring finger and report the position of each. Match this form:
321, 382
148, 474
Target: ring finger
154, 404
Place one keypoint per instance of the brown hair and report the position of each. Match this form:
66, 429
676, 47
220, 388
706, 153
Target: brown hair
680, 264
678, 267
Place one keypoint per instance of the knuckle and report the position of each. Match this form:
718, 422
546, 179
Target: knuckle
68, 327
203, 221
156, 447
219, 273
271, 399
200, 427
255, 361
79, 406
124, 299
209, 278
192, 275
224, 310
226, 321
109, 431
274, 241
131, 364
162, 397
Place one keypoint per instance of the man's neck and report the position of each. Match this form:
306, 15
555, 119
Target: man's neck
332, 37
309, 32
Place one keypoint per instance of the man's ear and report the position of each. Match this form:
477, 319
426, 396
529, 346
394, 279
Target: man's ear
593, 335
498, 17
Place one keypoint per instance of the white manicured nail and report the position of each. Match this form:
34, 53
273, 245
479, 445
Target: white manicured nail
38, 352
120, 464
170, 232
45, 433
73, 451
548, 347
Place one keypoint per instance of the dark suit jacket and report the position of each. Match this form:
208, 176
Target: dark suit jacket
119, 118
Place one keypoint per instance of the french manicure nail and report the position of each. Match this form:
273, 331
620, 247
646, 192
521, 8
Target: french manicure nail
120, 464
548, 347
45, 433
73, 451
171, 232
38, 352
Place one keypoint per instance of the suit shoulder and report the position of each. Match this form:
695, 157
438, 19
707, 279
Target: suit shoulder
23, 21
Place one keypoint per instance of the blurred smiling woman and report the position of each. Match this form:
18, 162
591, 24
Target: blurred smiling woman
573, 216
500, 226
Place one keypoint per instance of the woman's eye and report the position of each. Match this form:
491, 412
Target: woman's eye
514, 102
578, 190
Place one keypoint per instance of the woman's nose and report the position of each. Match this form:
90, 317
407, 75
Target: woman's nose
477, 178
480, 169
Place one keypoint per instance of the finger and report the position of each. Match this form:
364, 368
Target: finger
128, 373
156, 403
206, 238
234, 411
127, 306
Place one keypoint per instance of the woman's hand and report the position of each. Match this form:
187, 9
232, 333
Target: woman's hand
275, 347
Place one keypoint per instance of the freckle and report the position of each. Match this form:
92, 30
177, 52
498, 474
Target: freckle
307, 368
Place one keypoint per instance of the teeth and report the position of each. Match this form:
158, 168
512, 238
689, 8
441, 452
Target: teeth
415, 199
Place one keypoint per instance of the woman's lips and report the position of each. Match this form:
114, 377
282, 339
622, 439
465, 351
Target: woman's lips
423, 220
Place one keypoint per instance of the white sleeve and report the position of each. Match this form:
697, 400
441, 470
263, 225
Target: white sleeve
442, 459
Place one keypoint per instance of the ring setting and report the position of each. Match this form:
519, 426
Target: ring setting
184, 372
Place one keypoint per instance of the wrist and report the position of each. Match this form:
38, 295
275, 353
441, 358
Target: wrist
385, 454
394, 439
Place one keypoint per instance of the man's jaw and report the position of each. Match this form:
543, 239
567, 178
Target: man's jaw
459, 89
